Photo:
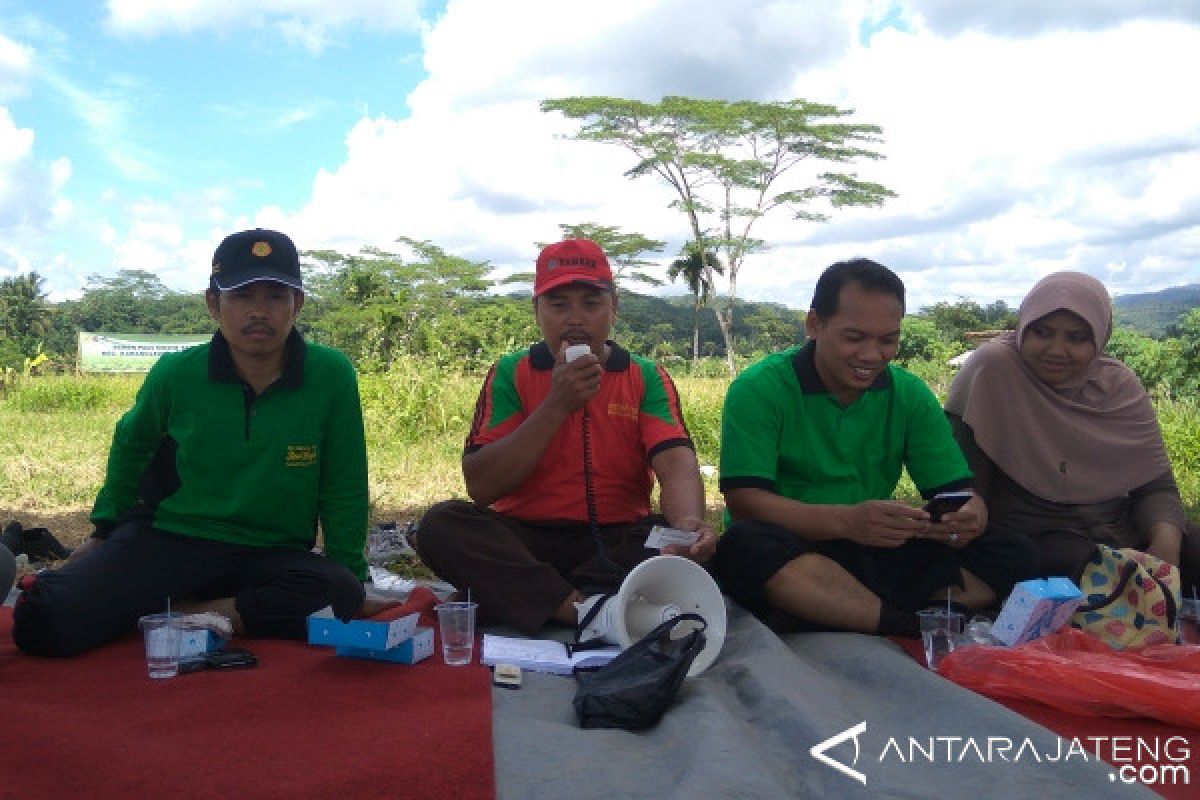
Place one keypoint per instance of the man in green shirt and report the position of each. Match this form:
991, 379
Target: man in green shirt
218, 476
813, 442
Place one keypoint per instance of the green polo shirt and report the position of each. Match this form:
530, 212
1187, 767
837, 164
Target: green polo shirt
781, 430
258, 470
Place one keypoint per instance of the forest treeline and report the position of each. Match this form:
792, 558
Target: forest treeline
380, 306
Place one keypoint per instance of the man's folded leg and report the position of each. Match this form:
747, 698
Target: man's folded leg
274, 590
98, 597
473, 548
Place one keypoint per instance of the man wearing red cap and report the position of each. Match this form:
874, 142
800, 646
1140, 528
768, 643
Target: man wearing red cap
217, 478
567, 440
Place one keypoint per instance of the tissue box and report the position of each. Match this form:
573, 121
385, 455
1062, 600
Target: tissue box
410, 651
1036, 608
326, 629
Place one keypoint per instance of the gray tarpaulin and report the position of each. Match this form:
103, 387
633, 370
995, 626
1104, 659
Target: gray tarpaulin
744, 729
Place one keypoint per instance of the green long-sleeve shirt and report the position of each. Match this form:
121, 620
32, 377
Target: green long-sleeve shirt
253, 470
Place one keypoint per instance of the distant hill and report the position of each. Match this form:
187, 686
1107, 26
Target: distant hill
1151, 312
643, 320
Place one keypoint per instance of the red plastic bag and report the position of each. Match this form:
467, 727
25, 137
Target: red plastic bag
1077, 673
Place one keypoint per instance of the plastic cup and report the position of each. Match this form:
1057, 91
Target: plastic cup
941, 632
163, 633
456, 621
1189, 621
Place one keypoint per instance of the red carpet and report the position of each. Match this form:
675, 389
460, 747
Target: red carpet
303, 724
1077, 726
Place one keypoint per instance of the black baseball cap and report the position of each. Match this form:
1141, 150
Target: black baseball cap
256, 255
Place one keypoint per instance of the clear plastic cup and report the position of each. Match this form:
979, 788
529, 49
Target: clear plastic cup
941, 632
1189, 621
456, 622
163, 633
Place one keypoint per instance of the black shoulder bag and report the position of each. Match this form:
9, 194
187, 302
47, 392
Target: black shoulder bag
634, 689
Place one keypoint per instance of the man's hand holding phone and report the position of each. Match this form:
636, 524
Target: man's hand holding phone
956, 518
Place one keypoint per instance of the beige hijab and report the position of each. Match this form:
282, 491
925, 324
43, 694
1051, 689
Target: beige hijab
1091, 440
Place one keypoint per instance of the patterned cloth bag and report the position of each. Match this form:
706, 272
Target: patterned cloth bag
1130, 598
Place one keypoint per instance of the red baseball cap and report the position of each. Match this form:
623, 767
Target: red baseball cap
571, 261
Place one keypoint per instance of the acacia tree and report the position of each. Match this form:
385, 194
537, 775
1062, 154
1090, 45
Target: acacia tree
378, 305
732, 162
691, 266
624, 251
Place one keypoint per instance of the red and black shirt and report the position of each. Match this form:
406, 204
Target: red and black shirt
635, 415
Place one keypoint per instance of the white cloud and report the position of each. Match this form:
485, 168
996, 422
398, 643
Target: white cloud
1028, 17
310, 23
106, 114
634, 48
23, 192
15, 62
1011, 157
479, 169
1058, 136
153, 235
31, 204
1031, 155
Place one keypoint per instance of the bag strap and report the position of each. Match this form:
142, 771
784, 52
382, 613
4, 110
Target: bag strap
1128, 569
659, 630
581, 626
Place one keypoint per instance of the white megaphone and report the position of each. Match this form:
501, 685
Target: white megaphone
659, 589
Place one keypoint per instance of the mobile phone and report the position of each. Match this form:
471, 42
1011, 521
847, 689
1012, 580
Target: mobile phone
944, 502
231, 658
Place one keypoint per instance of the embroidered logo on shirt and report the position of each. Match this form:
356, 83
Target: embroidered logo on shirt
625, 411
301, 455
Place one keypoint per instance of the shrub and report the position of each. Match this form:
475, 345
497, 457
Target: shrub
56, 393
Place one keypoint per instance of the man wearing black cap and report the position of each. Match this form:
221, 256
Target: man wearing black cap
562, 445
218, 476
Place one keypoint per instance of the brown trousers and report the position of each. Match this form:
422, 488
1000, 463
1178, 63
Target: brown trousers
520, 572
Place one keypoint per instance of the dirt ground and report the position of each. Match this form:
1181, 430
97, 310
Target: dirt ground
70, 527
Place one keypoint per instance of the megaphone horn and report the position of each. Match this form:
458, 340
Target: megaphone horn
659, 589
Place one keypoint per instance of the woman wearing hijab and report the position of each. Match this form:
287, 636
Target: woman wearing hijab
1063, 440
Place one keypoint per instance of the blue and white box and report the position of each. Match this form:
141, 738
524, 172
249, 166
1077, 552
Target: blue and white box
1036, 608
410, 651
326, 629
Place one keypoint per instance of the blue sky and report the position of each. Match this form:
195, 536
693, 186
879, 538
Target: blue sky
1022, 137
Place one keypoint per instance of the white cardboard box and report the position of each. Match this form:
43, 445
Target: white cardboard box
1036, 608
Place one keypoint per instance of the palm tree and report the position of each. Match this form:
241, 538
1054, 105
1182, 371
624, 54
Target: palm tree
691, 267
23, 310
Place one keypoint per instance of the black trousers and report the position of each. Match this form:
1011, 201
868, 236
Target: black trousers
904, 577
519, 572
100, 596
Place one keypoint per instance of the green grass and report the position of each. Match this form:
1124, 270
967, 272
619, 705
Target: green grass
55, 433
